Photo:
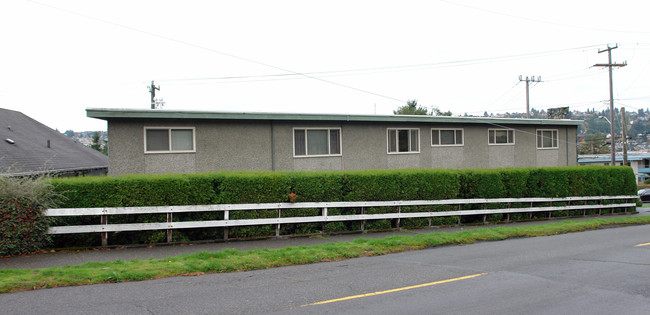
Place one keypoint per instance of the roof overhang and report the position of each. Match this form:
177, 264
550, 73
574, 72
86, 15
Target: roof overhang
108, 114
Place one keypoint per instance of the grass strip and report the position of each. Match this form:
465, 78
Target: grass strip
230, 260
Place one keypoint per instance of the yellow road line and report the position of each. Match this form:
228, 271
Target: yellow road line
646, 244
396, 290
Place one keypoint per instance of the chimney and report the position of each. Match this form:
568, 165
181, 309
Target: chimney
48, 143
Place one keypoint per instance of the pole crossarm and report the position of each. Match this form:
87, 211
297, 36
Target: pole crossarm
610, 64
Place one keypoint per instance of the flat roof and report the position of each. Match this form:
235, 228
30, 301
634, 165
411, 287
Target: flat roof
598, 158
112, 113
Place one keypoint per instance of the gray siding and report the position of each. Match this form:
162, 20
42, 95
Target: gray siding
268, 145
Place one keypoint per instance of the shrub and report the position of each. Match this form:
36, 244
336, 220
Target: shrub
23, 225
278, 187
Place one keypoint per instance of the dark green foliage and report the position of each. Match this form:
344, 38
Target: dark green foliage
262, 187
278, 187
548, 182
514, 181
482, 183
134, 191
23, 225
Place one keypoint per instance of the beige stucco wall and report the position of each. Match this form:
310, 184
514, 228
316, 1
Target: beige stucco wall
232, 145
266, 145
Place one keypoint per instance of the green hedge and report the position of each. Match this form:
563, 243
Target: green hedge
23, 225
273, 187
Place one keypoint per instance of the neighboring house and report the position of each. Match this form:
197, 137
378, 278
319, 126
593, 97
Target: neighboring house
162, 141
639, 161
28, 147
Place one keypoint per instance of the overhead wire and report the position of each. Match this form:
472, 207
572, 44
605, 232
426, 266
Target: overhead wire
544, 21
385, 69
530, 133
213, 50
290, 74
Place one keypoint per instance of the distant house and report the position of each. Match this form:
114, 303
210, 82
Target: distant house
638, 161
165, 141
28, 147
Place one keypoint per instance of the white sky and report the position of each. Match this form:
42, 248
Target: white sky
58, 58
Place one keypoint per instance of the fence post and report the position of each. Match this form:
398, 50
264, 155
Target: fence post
324, 214
277, 226
104, 235
485, 215
399, 210
363, 222
169, 231
508, 214
226, 217
600, 210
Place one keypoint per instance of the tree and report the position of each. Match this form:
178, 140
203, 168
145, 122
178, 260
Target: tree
594, 143
97, 143
438, 112
411, 108
69, 133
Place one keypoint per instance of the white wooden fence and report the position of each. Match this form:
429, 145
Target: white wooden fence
600, 203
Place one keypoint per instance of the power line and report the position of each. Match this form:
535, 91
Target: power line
545, 21
213, 50
412, 67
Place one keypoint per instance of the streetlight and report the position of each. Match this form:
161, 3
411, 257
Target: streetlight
623, 141
612, 140
605, 118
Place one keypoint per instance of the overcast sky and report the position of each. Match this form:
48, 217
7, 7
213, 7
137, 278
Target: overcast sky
58, 58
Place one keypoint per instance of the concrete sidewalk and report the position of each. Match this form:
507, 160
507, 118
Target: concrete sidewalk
63, 258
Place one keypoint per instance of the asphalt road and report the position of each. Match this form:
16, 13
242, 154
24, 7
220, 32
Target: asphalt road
594, 272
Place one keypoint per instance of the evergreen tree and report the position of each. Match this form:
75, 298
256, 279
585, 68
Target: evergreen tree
411, 108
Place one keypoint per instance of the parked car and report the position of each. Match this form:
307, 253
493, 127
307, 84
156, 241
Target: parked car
644, 194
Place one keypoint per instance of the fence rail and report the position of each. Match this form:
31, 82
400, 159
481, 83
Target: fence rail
572, 203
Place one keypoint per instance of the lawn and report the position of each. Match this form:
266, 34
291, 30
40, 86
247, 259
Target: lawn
12, 280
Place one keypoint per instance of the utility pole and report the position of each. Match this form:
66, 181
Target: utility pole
528, 80
611, 92
624, 123
152, 90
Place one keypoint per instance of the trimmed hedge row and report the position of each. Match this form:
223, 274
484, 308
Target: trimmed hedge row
274, 187
23, 225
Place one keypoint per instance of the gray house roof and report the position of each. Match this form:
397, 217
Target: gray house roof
106, 114
24, 149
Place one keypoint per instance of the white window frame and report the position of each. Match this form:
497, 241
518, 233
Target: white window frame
169, 135
329, 148
501, 129
455, 130
410, 151
555, 141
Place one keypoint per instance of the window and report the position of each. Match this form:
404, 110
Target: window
316, 141
168, 140
547, 139
446, 137
501, 136
403, 140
